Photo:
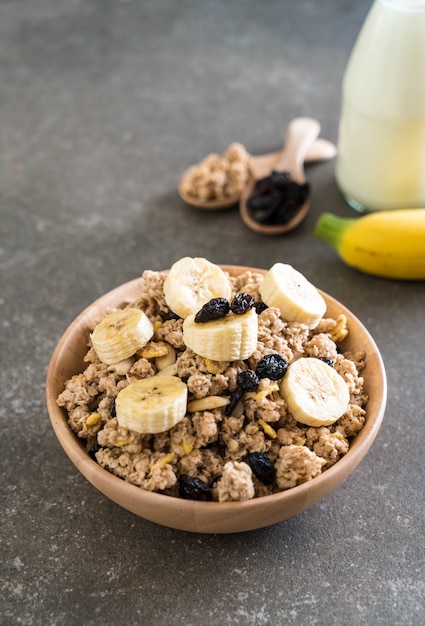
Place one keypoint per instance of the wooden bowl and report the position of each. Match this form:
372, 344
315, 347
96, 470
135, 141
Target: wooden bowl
209, 517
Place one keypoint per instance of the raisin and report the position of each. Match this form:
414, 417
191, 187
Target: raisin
213, 310
191, 488
171, 316
260, 307
327, 359
262, 467
248, 380
276, 199
242, 303
234, 399
93, 450
272, 366
113, 410
292, 200
262, 208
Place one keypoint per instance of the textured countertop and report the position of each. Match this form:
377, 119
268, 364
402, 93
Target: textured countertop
103, 104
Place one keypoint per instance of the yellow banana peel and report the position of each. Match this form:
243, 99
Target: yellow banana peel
390, 244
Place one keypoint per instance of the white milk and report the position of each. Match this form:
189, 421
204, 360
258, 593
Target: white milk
381, 160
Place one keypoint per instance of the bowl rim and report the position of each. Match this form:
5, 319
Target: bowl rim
125, 493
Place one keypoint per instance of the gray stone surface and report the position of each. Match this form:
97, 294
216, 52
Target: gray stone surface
103, 104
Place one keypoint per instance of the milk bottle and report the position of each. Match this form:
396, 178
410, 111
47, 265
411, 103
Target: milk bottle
381, 160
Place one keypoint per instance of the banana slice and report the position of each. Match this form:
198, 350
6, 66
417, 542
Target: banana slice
191, 282
120, 334
152, 405
229, 338
290, 291
315, 393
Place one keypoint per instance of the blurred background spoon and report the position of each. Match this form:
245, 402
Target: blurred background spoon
259, 166
301, 136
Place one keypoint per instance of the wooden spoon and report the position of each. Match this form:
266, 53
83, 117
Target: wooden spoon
300, 136
261, 165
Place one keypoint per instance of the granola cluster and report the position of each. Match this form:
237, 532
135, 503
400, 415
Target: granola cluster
217, 177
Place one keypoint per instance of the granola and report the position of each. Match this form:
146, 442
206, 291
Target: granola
207, 445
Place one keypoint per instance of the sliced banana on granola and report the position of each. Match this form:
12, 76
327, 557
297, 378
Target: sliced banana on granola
287, 289
120, 334
315, 393
152, 405
191, 282
230, 338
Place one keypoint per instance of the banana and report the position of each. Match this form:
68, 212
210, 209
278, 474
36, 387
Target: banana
390, 244
191, 282
230, 338
287, 289
314, 392
120, 334
152, 405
